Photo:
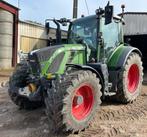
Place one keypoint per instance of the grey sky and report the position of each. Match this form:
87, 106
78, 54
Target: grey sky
39, 10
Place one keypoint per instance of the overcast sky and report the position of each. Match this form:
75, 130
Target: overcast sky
39, 10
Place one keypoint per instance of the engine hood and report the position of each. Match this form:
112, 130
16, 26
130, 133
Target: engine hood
44, 53
49, 59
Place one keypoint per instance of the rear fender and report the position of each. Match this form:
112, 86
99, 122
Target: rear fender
127, 51
118, 58
117, 61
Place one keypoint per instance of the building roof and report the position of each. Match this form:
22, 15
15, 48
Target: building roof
8, 7
33, 23
135, 23
8, 4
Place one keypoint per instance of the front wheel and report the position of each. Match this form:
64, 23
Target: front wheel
19, 90
72, 102
130, 81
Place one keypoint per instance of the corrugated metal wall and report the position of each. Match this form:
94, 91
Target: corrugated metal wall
31, 37
135, 31
135, 23
29, 43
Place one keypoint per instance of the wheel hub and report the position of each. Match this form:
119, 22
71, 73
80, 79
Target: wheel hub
82, 101
79, 100
24, 91
133, 78
32, 87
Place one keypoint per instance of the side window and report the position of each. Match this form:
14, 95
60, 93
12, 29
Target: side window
110, 36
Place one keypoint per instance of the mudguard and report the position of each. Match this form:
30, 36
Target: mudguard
116, 62
118, 58
99, 69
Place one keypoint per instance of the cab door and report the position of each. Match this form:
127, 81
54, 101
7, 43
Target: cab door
112, 37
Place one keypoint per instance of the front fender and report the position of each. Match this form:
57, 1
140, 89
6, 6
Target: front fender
83, 67
87, 67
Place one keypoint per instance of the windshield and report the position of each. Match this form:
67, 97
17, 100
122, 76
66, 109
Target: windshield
85, 29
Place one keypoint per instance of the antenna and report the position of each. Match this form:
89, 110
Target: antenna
108, 3
123, 10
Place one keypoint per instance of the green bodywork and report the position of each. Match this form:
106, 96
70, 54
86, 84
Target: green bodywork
79, 57
108, 52
115, 56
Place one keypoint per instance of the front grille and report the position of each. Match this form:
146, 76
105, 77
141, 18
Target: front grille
41, 55
34, 63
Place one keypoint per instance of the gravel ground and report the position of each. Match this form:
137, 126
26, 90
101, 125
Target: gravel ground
112, 120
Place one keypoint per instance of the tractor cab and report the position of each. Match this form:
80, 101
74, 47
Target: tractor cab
100, 33
100, 37
84, 31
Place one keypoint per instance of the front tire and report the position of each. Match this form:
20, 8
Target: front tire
72, 102
130, 81
18, 81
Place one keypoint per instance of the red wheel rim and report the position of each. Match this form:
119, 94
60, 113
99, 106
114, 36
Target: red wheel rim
133, 78
82, 102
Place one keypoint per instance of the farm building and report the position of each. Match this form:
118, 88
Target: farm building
8, 34
32, 36
135, 31
16, 35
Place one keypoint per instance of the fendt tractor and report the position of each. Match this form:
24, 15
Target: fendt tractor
72, 79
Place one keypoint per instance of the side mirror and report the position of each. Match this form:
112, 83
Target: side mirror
64, 24
47, 26
64, 21
108, 14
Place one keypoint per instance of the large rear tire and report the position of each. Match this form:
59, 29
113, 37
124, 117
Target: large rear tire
17, 81
72, 101
130, 81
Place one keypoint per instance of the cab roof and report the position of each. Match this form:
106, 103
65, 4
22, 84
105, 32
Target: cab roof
94, 16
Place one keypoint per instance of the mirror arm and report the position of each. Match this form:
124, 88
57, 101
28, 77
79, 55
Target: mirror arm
58, 32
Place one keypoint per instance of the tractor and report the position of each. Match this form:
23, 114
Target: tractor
72, 79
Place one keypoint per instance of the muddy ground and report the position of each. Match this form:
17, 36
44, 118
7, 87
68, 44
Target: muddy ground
112, 120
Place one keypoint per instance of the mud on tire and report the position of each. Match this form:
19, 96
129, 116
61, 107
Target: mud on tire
130, 80
62, 108
17, 81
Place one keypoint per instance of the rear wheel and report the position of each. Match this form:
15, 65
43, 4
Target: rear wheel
72, 102
131, 78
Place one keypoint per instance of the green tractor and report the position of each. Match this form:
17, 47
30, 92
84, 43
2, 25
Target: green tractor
71, 79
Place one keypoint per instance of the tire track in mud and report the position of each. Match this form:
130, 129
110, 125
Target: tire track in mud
132, 111
112, 119
96, 132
